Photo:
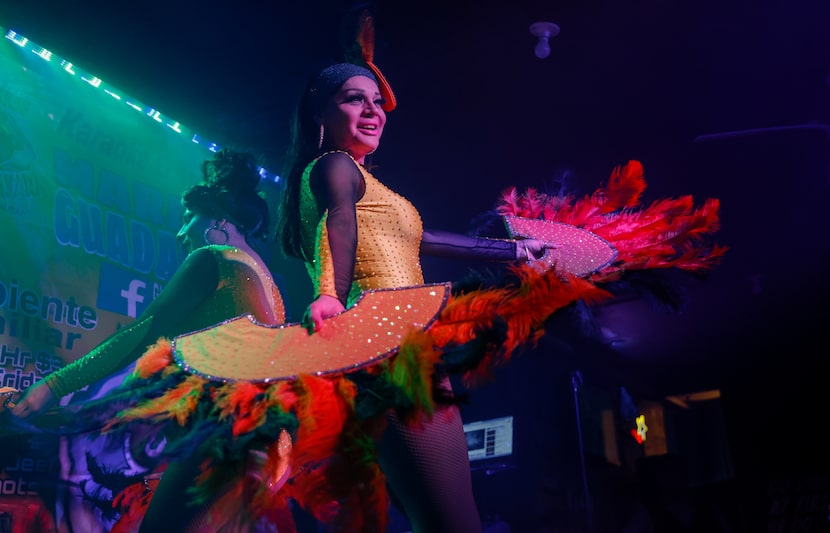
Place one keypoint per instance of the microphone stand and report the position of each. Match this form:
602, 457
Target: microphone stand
576, 382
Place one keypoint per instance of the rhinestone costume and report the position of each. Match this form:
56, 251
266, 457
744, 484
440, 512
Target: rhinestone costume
333, 471
244, 287
388, 239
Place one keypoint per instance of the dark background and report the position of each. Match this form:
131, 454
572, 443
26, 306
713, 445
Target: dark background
726, 99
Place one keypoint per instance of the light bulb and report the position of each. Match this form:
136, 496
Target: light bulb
544, 31
542, 49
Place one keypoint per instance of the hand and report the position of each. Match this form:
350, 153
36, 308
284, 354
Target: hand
323, 307
35, 399
532, 249
8, 397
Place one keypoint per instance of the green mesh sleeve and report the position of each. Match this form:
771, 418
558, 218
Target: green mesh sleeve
115, 353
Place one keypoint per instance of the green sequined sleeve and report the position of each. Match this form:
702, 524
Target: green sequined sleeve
191, 285
115, 353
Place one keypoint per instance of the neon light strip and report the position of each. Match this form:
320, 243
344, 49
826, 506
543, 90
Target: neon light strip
97, 83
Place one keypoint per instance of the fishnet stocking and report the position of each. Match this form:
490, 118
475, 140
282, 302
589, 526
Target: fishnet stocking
428, 471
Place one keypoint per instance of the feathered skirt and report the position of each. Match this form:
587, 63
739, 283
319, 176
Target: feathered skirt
304, 413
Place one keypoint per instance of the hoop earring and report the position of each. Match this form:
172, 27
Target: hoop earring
217, 228
322, 134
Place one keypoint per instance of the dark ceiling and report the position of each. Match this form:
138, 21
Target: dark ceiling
717, 99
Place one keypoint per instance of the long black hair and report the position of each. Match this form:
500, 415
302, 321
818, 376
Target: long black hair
303, 148
306, 144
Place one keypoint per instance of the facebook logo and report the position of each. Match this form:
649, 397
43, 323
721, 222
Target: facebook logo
133, 296
124, 292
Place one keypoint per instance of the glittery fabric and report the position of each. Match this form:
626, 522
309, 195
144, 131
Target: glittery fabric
113, 354
331, 79
578, 251
388, 243
244, 287
369, 331
428, 469
427, 459
335, 419
667, 233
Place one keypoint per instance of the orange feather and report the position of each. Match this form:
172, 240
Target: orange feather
158, 357
366, 37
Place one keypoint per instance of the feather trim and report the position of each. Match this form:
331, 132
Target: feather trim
177, 403
411, 370
156, 359
366, 41
132, 503
334, 473
366, 37
668, 233
523, 308
625, 186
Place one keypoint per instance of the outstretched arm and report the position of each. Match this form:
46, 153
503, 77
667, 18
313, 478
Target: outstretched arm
458, 246
194, 281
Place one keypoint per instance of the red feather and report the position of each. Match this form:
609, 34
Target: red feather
625, 186
509, 202
524, 308
366, 37
668, 233
132, 503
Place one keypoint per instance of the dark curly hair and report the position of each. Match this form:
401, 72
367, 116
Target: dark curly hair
228, 189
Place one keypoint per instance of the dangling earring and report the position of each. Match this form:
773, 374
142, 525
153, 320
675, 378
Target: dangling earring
322, 134
216, 227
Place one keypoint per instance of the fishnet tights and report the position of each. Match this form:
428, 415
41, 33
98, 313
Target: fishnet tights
428, 471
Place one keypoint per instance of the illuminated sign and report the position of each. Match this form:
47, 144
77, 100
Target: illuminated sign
639, 433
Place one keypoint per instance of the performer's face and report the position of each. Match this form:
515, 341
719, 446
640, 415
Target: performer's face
192, 232
353, 121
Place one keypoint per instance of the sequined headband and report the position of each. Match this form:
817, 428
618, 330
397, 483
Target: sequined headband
333, 77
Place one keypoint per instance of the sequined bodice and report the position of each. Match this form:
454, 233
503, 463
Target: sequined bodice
245, 287
388, 240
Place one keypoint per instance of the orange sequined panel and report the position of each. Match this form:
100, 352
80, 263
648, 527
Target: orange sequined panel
369, 331
388, 243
